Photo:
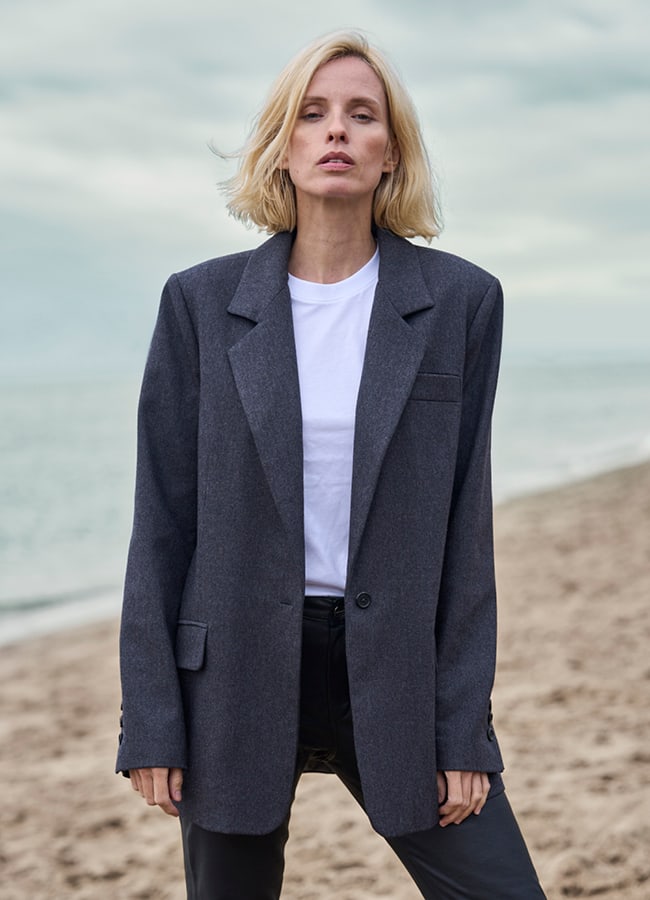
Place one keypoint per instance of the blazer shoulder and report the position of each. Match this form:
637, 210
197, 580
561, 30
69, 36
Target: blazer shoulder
459, 283
221, 270
442, 264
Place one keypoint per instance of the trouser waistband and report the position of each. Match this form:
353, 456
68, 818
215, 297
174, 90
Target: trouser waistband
323, 607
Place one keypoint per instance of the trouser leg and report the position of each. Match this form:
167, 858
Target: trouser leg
251, 867
233, 866
483, 858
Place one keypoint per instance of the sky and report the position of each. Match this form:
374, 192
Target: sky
536, 116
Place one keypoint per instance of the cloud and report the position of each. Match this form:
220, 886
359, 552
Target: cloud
535, 115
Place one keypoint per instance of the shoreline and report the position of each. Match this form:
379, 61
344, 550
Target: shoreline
17, 626
553, 481
571, 710
53, 618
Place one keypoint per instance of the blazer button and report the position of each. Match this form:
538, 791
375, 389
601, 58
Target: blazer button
363, 600
491, 734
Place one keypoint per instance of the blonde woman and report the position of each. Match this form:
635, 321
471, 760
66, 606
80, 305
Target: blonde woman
310, 582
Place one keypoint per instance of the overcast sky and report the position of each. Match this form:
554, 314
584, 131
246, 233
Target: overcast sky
536, 116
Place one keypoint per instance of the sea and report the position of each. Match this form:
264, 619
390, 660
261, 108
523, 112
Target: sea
67, 461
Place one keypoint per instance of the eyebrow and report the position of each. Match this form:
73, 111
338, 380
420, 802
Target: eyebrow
353, 101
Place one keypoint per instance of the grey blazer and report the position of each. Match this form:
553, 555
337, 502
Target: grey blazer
211, 625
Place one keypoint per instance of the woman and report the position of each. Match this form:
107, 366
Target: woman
310, 581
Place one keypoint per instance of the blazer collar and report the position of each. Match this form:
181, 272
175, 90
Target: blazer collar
264, 366
265, 276
394, 351
265, 370
400, 274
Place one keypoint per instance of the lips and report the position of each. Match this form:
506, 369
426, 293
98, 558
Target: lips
336, 159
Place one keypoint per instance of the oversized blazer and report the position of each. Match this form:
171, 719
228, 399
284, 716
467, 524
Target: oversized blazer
212, 618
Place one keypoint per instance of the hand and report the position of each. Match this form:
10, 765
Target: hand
460, 794
159, 787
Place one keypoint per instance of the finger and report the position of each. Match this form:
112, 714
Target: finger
476, 791
457, 806
484, 791
472, 795
147, 788
466, 792
462, 788
134, 775
161, 792
442, 787
452, 816
485, 783
176, 784
140, 781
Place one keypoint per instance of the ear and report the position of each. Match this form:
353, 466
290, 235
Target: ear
392, 158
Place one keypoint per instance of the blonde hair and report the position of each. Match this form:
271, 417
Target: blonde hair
261, 193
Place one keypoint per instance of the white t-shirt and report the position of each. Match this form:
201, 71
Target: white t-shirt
331, 326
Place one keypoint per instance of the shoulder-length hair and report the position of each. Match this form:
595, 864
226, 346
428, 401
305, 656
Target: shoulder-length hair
261, 193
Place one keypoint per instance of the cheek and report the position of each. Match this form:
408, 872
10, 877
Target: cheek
380, 151
294, 169
295, 154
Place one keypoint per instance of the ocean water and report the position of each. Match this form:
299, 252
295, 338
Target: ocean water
67, 460
558, 420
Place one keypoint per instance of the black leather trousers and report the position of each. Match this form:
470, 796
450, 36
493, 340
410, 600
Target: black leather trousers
484, 858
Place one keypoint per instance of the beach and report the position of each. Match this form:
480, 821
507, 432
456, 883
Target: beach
571, 706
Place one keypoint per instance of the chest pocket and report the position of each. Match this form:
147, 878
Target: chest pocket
436, 387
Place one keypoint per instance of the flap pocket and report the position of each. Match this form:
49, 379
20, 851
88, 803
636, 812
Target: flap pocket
190, 644
434, 386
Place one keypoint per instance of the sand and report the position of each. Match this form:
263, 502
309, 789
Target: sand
572, 704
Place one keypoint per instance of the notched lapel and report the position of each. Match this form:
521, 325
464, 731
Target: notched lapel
266, 374
265, 370
394, 352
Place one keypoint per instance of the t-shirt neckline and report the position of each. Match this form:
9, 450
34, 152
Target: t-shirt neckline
314, 291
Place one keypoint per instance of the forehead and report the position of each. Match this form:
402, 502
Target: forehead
349, 75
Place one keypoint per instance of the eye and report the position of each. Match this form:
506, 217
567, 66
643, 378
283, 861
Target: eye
362, 117
310, 116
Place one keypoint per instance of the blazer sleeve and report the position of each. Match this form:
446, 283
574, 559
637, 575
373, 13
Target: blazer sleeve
466, 617
162, 542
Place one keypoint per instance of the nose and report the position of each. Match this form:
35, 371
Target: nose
336, 131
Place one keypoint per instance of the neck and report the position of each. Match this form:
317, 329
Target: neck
330, 247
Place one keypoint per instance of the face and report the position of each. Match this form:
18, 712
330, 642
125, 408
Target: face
341, 144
